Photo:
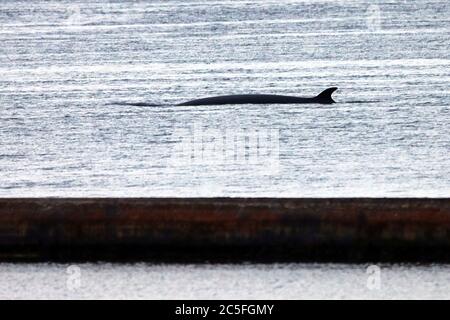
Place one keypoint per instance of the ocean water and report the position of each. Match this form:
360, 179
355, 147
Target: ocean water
68, 68
203, 281
72, 70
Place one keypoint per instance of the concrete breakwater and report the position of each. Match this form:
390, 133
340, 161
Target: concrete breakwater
225, 229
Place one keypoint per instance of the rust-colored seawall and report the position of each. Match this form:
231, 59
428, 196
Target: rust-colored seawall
225, 229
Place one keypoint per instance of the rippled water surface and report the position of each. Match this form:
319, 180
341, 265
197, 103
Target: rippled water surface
276, 281
68, 68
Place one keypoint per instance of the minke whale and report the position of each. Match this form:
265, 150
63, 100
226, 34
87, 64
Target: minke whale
324, 98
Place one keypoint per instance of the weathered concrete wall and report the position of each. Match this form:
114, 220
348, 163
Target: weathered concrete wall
230, 229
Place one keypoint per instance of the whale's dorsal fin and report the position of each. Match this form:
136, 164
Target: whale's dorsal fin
325, 95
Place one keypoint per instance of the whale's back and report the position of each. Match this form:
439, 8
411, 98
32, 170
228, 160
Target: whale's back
243, 99
324, 97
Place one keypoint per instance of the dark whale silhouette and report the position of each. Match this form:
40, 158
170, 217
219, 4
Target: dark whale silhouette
324, 97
